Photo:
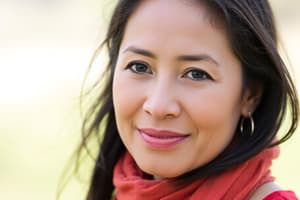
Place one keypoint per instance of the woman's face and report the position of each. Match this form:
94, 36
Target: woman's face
176, 89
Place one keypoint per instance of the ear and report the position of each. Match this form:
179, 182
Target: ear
250, 100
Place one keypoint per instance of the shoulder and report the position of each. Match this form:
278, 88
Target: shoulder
281, 195
271, 191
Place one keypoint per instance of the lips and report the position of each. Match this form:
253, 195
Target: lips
161, 138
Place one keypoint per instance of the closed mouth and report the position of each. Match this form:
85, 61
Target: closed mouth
162, 138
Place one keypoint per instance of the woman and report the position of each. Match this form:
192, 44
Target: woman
195, 95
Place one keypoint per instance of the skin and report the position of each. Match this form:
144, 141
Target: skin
264, 190
166, 90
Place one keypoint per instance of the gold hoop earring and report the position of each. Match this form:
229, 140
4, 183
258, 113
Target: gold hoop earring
251, 123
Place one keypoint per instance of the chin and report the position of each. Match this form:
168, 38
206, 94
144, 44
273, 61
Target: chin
161, 173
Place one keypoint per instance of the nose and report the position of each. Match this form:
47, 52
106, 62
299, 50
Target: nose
162, 102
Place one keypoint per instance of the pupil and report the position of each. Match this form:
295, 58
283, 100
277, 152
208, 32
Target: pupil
141, 68
196, 74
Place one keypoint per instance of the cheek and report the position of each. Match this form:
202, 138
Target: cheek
126, 97
215, 109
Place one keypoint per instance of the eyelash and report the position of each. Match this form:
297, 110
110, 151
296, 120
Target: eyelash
135, 63
204, 75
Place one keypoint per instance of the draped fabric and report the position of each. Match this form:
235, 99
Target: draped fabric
131, 183
282, 195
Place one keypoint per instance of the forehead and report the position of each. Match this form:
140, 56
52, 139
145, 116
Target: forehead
191, 10
184, 24
164, 9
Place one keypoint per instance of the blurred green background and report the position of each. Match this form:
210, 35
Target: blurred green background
45, 48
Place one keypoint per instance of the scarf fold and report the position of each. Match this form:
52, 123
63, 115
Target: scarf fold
131, 183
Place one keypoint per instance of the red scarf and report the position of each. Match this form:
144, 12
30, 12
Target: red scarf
235, 184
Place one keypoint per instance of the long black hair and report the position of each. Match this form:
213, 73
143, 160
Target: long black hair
251, 29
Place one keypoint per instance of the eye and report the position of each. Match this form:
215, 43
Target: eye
197, 75
139, 67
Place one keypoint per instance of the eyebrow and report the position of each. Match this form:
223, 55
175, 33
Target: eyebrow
142, 52
197, 57
191, 57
